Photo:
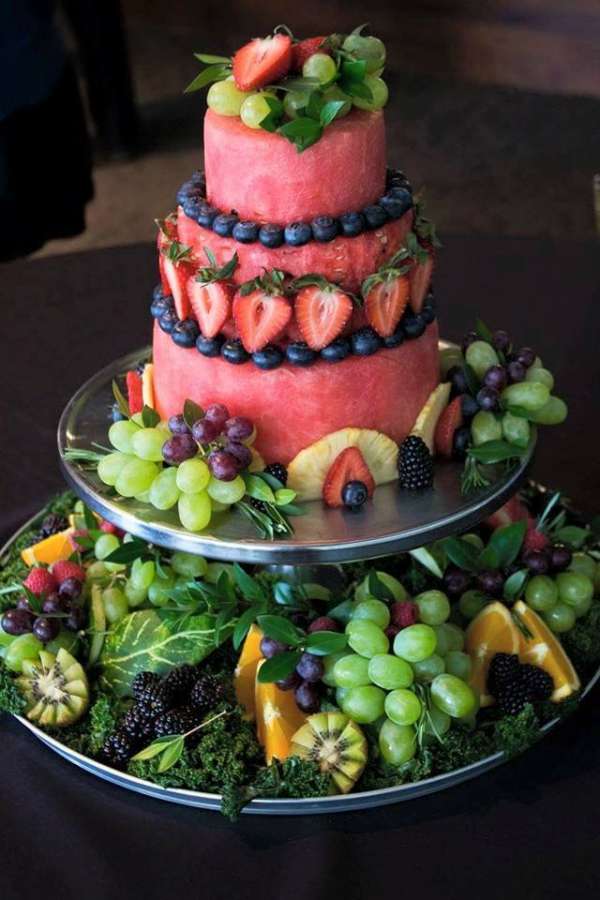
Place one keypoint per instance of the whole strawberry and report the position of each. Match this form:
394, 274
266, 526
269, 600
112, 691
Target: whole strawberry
64, 569
40, 582
404, 613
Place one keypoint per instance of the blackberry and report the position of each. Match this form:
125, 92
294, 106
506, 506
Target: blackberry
539, 682
52, 524
154, 699
504, 669
415, 464
206, 693
178, 721
278, 471
118, 748
513, 697
180, 681
137, 725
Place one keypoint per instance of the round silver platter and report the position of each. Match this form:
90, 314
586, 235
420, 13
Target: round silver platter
394, 521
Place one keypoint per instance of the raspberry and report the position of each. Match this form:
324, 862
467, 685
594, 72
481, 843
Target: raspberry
324, 623
535, 540
64, 569
40, 581
404, 613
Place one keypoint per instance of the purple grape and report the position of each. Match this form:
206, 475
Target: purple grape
54, 603
487, 398
223, 465
70, 588
495, 377
525, 356
469, 338
218, 414
290, 683
23, 603
242, 453
516, 371
457, 378
491, 582
204, 431
16, 622
238, 428
310, 668
76, 620
178, 425
537, 561
307, 698
461, 442
179, 448
469, 406
500, 341
456, 581
560, 558
269, 647
46, 630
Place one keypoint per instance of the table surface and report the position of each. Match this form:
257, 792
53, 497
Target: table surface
530, 828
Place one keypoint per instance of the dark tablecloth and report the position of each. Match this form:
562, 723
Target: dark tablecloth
531, 828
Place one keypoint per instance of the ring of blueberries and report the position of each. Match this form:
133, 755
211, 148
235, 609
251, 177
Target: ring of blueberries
364, 342
397, 200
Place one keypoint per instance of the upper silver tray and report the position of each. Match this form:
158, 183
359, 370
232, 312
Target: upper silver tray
394, 521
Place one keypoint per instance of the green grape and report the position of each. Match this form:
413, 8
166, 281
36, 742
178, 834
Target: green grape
459, 664
560, 618
115, 604
437, 723
164, 492
147, 443
65, 640
427, 669
294, 102
340, 696
189, 564
449, 637
5, 640
452, 695
194, 511
142, 573
110, 466
516, 430
434, 607
471, 603
415, 643
121, 433
397, 743
403, 707
255, 108
214, 571
320, 66
541, 593
553, 413
225, 98
574, 589
23, 647
336, 93
226, 492
161, 587
366, 638
193, 476
218, 507
485, 426
371, 49
105, 545
530, 395
135, 596
143, 497
474, 540
96, 570
363, 704
115, 567
450, 357
136, 477
396, 589
372, 610
583, 565
379, 91
540, 375
481, 356
390, 672
329, 662
351, 671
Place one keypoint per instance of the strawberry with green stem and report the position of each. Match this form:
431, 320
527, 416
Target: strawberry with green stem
322, 309
261, 310
386, 294
422, 244
210, 292
176, 267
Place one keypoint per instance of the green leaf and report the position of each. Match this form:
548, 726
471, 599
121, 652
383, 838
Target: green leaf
150, 417
120, 400
292, 509
483, 331
273, 118
172, 753
91, 522
249, 588
342, 612
572, 536
355, 69
489, 558
242, 626
377, 588
210, 59
126, 553
515, 583
284, 496
313, 591
506, 543
273, 482
462, 553
280, 629
279, 667
302, 131
322, 643
494, 452
192, 412
257, 488
217, 72
285, 593
356, 89
471, 379
156, 747
427, 560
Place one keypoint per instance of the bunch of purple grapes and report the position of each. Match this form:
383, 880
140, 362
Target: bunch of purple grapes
222, 437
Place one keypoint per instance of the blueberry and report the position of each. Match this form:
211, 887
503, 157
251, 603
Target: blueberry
396, 202
192, 205
365, 342
337, 350
396, 178
115, 413
209, 346
298, 233
352, 224
185, 332
354, 494
300, 354
245, 232
186, 190
157, 291
457, 378
233, 352
198, 179
375, 216
413, 324
168, 320
469, 406
428, 311
271, 235
270, 357
224, 224
206, 215
461, 441
161, 305
394, 340
324, 228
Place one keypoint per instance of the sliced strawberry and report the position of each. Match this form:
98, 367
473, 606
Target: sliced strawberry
176, 273
167, 232
349, 465
450, 419
305, 49
512, 511
321, 314
420, 279
535, 540
262, 61
211, 305
135, 400
385, 303
260, 318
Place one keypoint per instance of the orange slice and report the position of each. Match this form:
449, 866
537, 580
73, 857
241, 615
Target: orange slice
545, 650
492, 631
50, 550
245, 671
277, 719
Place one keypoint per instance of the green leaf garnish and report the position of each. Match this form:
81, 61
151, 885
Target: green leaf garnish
303, 132
216, 72
278, 667
191, 413
120, 400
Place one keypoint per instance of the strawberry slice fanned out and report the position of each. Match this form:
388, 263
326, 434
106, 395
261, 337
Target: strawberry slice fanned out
322, 311
211, 305
262, 61
350, 465
420, 280
261, 311
176, 266
385, 303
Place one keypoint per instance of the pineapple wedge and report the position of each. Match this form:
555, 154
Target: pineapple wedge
427, 419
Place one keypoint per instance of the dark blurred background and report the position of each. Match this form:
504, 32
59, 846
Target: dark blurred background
495, 104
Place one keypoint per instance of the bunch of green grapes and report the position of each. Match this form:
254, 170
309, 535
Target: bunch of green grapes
563, 598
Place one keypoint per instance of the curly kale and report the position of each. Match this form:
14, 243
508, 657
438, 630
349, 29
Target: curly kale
294, 777
11, 699
461, 747
582, 643
514, 734
89, 733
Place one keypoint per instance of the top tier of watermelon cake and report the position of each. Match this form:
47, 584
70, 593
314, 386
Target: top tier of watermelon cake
296, 268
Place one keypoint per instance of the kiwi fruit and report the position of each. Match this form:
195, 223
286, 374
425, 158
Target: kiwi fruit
336, 744
55, 687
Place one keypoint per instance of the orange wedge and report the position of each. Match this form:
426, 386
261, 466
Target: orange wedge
544, 649
277, 719
245, 671
50, 550
492, 631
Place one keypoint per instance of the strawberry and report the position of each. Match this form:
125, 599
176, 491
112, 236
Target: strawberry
40, 582
64, 569
260, 310
512, 511
534, 540
134, 392
404, 613
322, 311
262, 61
420, 279
349, 465
109, 528
306, 48
385, 303
167, 231
176, 273
450, 419
210, 294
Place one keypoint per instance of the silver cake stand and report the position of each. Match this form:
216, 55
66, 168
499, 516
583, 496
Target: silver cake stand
394, 521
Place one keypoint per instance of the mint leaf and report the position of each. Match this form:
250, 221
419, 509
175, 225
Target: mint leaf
322, 643
303, 132
192, 412
462, 553
279, 629
210, 59
506, 543
218, 72
273, 118
330, 110
279, 667
150, 417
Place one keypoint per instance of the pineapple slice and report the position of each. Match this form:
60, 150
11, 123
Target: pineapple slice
148, 385
427, 419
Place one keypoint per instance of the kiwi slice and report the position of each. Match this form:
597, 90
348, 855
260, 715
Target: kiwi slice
336, 744
55, 687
